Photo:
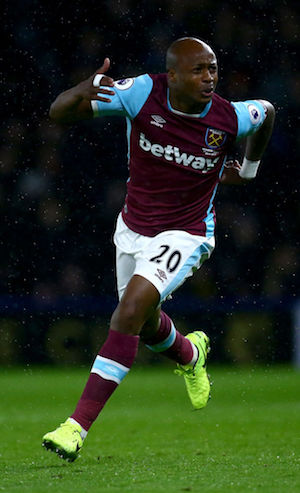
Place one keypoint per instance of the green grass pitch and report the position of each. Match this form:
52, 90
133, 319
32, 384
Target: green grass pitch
148, 439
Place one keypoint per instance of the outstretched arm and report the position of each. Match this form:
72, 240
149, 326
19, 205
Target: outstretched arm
75, 103
256, 144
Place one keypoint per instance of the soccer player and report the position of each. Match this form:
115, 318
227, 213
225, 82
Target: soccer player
179, 133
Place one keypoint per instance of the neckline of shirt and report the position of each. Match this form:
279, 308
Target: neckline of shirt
192, 115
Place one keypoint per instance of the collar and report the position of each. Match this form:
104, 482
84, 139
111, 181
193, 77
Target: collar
192, 115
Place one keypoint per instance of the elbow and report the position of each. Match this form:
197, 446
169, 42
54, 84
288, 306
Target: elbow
57, 112
270, 110
53, 114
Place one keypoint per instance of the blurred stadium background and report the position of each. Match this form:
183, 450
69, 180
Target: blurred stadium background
61, 188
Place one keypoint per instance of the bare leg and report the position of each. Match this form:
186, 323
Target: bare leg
137, 308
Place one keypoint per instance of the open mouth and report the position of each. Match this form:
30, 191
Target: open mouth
207, 93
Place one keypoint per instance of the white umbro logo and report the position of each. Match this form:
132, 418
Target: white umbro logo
158, 120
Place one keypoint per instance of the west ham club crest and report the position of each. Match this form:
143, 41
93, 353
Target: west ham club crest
214, 139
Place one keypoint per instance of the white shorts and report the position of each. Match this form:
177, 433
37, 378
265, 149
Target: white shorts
165, 260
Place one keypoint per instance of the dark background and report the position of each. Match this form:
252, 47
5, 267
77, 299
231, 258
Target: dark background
61, 188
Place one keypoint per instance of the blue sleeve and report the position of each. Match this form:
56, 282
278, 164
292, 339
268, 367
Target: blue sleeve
250, 115
130, 96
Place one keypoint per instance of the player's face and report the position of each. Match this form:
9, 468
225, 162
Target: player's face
195, 78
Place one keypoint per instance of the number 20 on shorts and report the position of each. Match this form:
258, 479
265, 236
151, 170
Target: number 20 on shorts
172, 259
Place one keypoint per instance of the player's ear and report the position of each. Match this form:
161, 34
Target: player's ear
172, 75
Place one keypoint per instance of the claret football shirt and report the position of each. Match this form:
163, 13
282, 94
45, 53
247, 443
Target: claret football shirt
175, 159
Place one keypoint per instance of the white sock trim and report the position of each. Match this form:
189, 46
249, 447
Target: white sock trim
195, 355
83, 432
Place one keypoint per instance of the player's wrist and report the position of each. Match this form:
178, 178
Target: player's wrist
249, 169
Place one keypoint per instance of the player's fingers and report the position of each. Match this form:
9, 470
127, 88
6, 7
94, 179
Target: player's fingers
105, 66
236, 164
102, 80
101, 98
233, 164
104, 90
99, 78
